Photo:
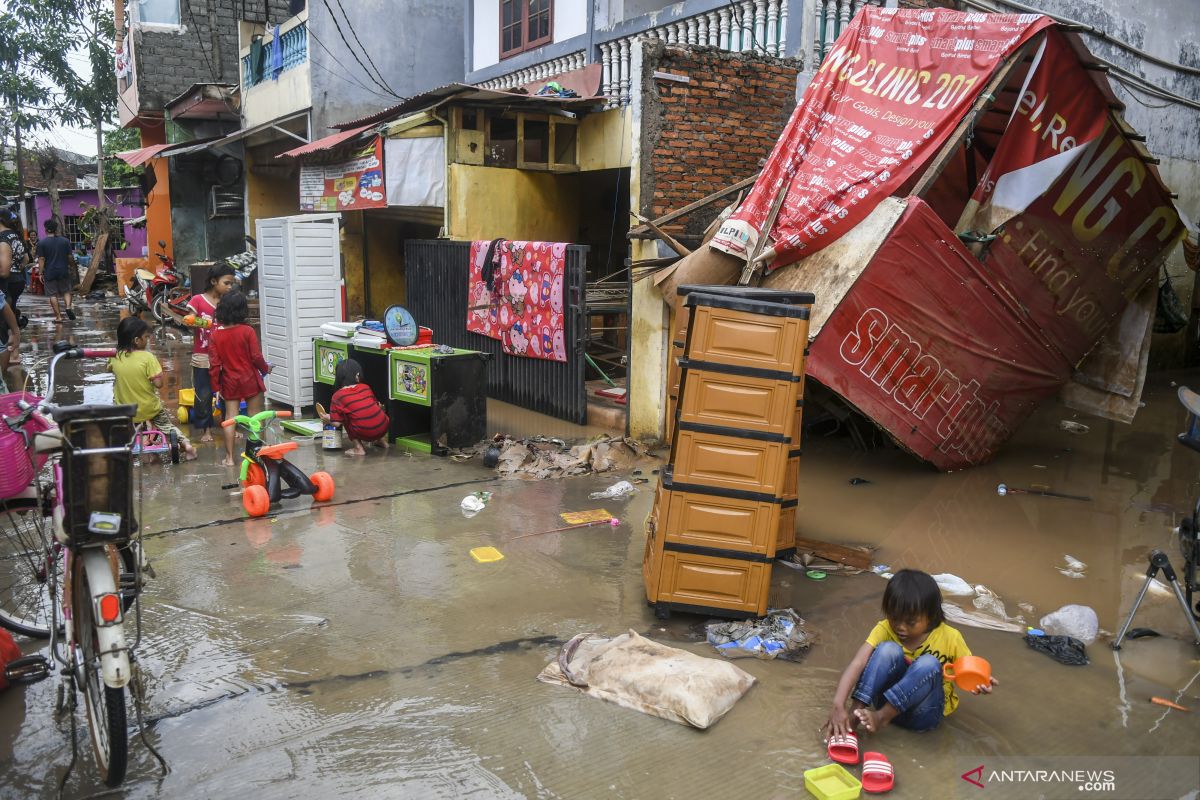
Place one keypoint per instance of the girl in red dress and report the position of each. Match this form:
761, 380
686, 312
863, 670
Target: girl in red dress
235, 363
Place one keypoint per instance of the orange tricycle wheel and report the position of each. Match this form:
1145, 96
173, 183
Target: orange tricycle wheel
256, 501
255, 476
324, 483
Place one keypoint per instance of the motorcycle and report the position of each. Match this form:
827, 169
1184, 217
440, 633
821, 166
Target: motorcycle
157, 292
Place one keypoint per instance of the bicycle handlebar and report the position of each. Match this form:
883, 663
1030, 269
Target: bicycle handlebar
254, 423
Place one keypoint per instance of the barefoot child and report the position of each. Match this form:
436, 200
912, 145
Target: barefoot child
896, 676
220, 283
355, 408
138, 376
235, 363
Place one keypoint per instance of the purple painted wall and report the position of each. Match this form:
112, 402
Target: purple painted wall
128, 202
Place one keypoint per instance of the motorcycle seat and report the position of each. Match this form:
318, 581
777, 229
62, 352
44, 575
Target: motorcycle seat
144, 274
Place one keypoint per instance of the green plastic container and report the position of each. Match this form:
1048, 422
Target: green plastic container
832, 782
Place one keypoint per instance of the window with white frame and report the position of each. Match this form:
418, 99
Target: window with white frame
158, 12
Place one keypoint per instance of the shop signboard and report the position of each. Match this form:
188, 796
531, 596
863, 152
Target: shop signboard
351, 184
885, 99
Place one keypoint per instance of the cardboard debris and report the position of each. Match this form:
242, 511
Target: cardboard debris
541, 458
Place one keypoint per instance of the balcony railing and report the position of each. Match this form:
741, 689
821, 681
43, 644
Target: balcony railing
830, 18
746, 26
294, 42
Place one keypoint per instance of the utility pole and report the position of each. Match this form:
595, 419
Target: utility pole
20, 157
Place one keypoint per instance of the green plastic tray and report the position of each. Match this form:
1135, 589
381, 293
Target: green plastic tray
831, 782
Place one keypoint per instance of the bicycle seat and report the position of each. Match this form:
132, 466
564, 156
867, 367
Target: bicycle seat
276, 450
62, 414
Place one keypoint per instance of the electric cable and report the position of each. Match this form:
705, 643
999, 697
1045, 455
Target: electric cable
366, 52
353, 54
200, 41
1116, 71
739, 16
1091, 31
349, 77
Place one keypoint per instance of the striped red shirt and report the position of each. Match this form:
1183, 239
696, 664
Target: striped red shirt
356, 408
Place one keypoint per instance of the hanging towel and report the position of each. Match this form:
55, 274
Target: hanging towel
258, 55
524, 308
276, 53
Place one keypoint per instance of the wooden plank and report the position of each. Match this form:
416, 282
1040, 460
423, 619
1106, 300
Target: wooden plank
985, 99
857, 557
89, 277
666, 237
643, 231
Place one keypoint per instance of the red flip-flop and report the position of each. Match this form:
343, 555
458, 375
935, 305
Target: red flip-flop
843, 748
877, 773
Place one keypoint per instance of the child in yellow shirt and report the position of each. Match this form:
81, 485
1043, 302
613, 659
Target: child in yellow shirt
138, 376
896, 675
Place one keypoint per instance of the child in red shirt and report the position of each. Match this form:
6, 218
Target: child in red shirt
235, 363
204, 305
355, 408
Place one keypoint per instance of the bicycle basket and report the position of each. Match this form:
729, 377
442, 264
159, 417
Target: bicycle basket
97, 469
20, 469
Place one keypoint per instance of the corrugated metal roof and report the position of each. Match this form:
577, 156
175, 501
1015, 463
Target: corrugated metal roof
462, 92
327, 143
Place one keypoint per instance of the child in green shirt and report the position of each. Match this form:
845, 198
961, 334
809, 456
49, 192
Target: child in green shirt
138, 376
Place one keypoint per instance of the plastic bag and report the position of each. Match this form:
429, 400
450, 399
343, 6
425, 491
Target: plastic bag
1079, 622
618, 489
1063, 649
953, 585
780, 634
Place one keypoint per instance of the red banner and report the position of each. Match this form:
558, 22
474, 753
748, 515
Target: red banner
347, 185
927, 346
1060, 110
888, 94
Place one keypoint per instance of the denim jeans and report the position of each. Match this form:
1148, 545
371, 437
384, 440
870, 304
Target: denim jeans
202, 418
915, 690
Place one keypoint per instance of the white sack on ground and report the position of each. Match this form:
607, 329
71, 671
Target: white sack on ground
642, 674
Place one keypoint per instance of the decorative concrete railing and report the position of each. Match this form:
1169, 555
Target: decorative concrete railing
294, 42
746, 26
538, 72
830, 18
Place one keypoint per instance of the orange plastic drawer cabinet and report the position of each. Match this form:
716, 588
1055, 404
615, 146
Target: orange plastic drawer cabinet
704, 583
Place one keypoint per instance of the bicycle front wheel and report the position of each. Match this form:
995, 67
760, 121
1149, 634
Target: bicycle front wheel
28, 569
105, 705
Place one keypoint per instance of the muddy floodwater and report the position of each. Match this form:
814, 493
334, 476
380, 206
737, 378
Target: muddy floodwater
355, 649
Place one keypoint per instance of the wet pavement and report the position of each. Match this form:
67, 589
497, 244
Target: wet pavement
355, 649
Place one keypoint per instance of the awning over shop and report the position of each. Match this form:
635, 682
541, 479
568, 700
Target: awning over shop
136, 158
327, 143
276, 124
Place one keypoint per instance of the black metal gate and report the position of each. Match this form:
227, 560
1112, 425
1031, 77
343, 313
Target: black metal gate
436, 274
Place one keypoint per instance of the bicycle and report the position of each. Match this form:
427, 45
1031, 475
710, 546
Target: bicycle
74, 537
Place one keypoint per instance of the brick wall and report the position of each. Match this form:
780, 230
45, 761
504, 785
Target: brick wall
711, 132
169, 62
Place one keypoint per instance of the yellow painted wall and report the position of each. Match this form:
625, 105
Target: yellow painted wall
352, 263
604, 139
490, 202
385, 263
269, 195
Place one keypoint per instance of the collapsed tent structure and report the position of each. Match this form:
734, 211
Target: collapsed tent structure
980, 227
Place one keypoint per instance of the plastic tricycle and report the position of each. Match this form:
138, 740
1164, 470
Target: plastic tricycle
265, 470
149, 440
187, 406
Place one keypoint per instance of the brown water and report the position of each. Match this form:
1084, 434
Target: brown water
357, 650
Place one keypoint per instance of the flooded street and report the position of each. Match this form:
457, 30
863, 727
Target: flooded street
354, 648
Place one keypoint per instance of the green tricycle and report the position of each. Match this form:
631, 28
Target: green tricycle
264, 470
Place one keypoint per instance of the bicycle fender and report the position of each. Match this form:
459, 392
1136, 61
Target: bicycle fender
114, 658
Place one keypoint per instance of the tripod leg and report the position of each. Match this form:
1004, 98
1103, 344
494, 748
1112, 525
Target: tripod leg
1187, 612
1136, 603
